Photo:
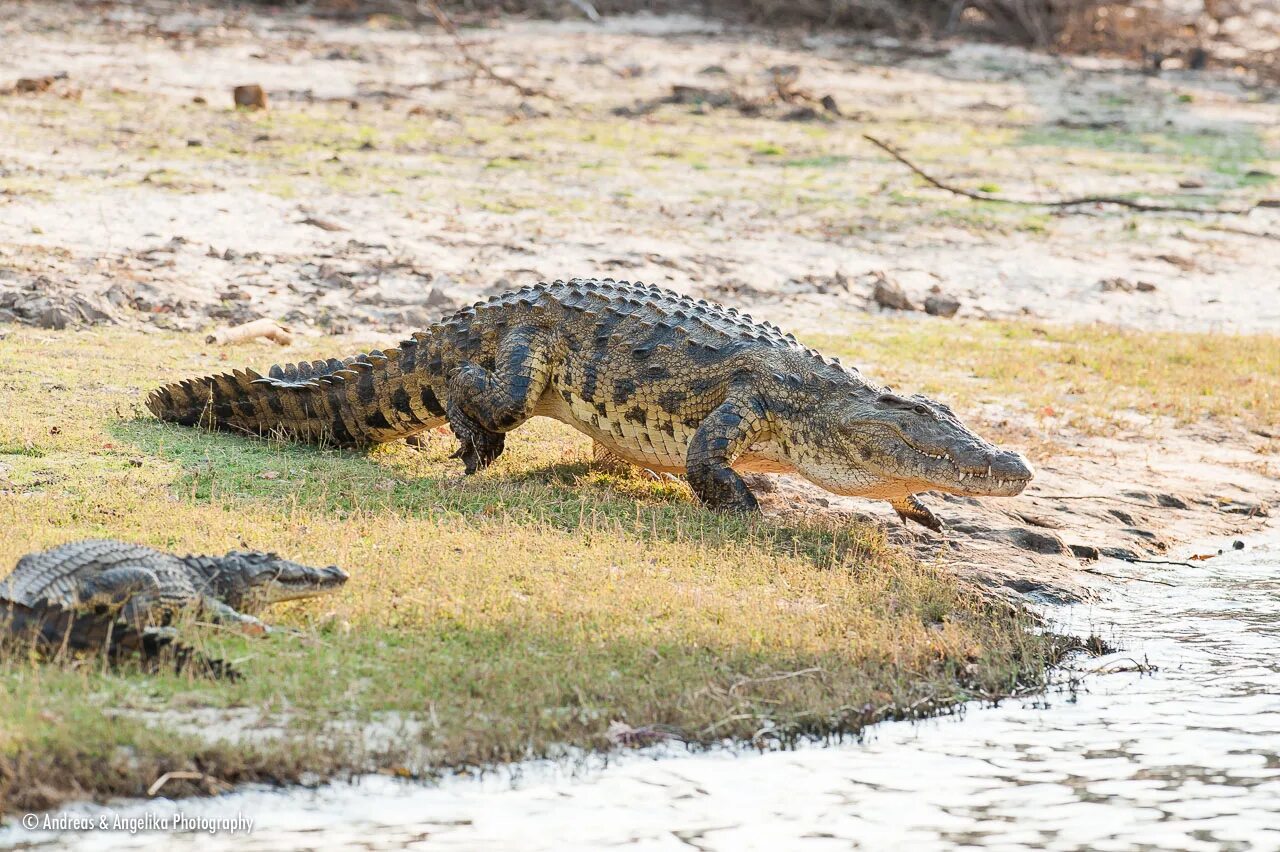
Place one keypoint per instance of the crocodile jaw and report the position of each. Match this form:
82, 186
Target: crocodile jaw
298, 584
885, 466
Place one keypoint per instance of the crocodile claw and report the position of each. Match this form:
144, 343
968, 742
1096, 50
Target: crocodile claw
909, 508
478, 447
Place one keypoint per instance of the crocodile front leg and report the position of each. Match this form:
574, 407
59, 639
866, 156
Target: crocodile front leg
726, 433
486, 404
909, 508
220, 613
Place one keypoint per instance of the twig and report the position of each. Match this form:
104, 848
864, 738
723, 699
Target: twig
1095, 497
1059, 202
772, 678
1125, 577
484, 68
1105, 668
736, 717
214, 785
1136, 560
1244, 232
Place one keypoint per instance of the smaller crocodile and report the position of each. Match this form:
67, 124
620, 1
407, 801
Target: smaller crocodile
103, 594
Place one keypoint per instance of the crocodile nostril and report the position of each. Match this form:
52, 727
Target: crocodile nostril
1011, 465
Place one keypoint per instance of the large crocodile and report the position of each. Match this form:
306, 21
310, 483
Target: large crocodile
660, 380
103, 594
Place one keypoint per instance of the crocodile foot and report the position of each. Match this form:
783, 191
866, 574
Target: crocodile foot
909, 508
478, 446
723, 490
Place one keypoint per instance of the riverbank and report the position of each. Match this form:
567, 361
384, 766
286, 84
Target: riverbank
1169, 743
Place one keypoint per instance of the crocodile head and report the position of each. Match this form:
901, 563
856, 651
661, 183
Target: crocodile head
891, 446
249, 580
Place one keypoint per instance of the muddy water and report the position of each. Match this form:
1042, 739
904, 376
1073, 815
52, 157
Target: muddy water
1187, 757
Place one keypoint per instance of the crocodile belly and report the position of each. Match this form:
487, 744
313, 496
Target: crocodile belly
648, 437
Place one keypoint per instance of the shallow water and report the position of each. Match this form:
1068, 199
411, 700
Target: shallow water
1187, 757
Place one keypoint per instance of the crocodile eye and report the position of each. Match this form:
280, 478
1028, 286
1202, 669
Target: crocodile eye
921, 410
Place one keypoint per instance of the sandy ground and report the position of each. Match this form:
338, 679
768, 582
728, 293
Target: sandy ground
388, 183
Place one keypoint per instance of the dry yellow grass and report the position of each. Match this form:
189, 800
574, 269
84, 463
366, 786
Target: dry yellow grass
506, 615
1090, 378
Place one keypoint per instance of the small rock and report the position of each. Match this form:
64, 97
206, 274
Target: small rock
1085, 551
528, 110
1116, 285
323, 224
888, 294
1037, 542
1122, 516
1145, 287
1191, 183
941, 306
830, 105
802, 113
1186, 264
250, 97
436, 298
35, 85
699, 95
194, 143
1237, 545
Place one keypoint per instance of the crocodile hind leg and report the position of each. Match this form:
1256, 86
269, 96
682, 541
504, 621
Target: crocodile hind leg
486, 404
160, 644
726, 433
477, 446
606, 460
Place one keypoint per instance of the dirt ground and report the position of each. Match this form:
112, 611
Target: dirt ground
388, 182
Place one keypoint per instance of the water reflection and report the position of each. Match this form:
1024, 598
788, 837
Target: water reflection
1187, 757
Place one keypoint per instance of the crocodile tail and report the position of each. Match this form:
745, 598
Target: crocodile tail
367, 399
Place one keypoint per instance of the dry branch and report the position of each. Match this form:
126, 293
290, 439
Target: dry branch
433, 8
1140, 206
1125, 577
